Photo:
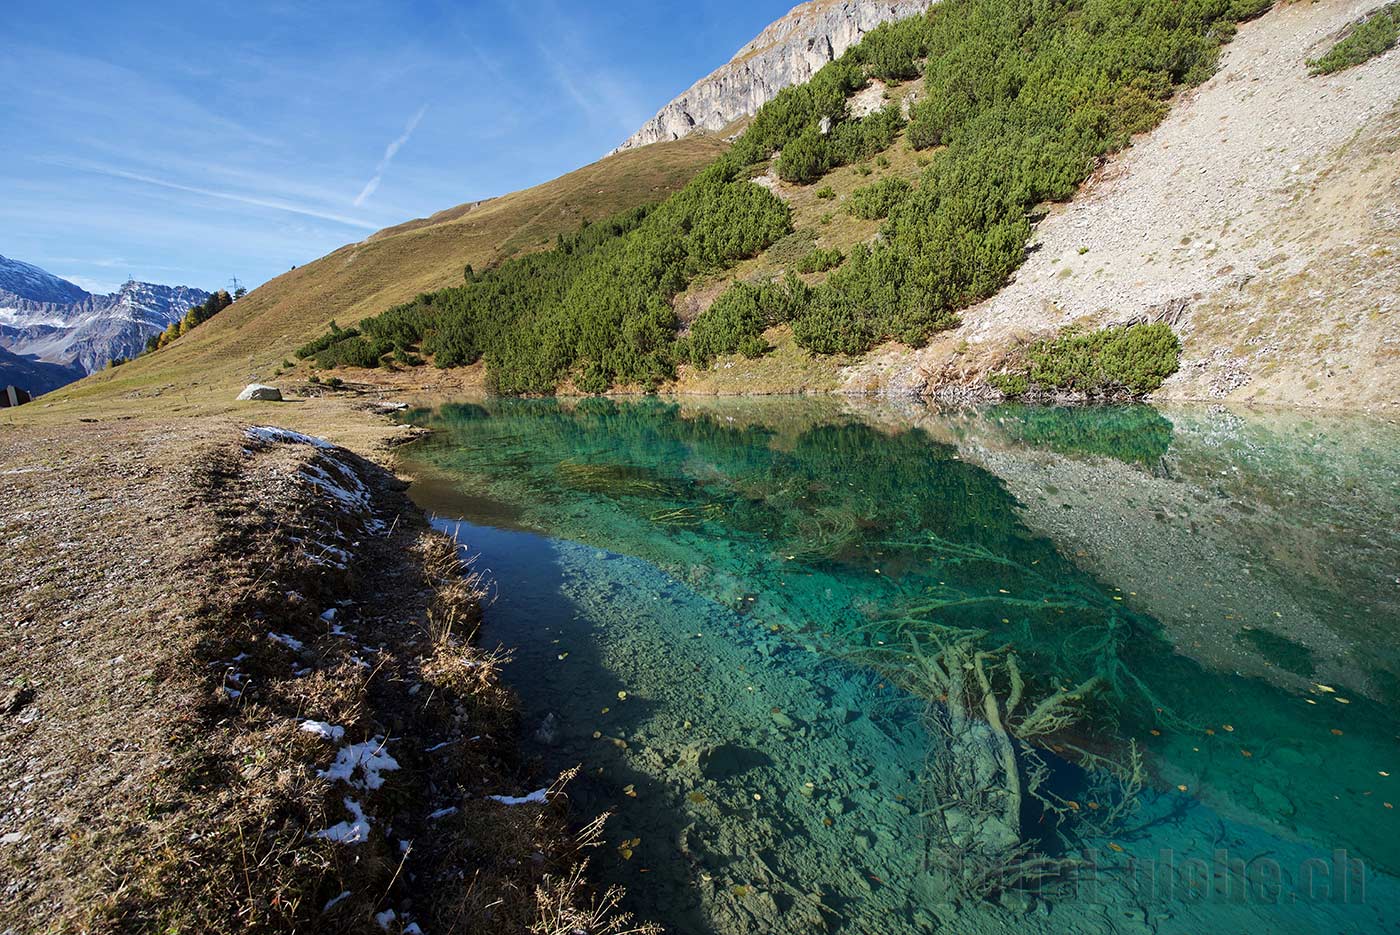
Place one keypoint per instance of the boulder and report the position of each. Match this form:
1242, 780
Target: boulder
261, 391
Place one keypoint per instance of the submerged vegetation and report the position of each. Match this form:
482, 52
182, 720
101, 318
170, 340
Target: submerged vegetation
1374, 35
1124, 360
1020, 103
881, 545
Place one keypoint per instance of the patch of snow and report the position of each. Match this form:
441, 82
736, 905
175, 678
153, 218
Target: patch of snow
385, 917
412, 929
349, 491
323, 730
355, 831
537, 797
369, 758
272, 435
295, 645
443, 813
436, 747
336, 901
328, 615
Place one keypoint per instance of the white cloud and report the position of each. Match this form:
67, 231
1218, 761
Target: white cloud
95, 286
390, 152
256, 201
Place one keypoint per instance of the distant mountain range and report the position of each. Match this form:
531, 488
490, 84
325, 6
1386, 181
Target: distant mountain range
55, 332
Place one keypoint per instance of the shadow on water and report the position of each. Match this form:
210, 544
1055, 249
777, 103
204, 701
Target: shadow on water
558, 670
1228, 582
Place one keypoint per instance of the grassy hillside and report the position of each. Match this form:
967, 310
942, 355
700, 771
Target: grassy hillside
249, 340
1018, 106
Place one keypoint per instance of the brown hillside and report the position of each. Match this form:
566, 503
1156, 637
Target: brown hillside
249, 340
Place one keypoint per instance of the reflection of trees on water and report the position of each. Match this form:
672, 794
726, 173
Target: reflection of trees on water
932, 572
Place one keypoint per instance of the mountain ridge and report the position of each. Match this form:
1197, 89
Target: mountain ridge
788, 52
47, 319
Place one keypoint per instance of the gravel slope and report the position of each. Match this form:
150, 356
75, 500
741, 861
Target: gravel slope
1263, 214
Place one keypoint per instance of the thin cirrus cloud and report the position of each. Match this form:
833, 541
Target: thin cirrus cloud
254, 200
390, 152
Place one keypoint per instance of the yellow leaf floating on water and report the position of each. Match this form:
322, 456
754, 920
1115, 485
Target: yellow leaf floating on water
1336, 733
563, 656
1228, 727
1115, 847
1181, 788
630, 791
1383, 772
621, 696
1324, 688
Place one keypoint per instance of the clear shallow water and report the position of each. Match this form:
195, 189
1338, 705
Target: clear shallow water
734, 568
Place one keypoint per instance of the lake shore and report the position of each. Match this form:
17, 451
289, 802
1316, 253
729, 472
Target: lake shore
244, 691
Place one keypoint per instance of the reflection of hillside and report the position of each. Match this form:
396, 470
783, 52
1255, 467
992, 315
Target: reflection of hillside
1264, 542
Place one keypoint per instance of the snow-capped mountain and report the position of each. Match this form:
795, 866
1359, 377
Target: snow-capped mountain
30, 282
50, 319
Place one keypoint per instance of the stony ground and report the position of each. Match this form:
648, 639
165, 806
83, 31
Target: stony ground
1262, 216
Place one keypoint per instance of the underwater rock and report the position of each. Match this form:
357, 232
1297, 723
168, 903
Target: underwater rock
1272, 801
1017, 901
729, 760
782, 720
548, 731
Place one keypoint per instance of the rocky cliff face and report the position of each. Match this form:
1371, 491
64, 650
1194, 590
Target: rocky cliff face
786, 53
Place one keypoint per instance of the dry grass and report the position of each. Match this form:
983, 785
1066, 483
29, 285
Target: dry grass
248, 342
156, 683
786, 369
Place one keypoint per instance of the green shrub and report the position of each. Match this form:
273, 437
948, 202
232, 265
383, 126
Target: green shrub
826, 193
1374, 35
878, 199
819, 260
737, 319
805, 159
1012, 385
316, 346
1126, 360
356, 351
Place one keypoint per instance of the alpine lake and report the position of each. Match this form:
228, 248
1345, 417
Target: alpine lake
854, 667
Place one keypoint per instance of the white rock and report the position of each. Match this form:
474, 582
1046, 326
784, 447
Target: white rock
261, 391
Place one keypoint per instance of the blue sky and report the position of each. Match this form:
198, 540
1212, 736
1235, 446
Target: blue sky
186, 143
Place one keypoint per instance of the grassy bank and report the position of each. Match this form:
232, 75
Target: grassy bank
261, 704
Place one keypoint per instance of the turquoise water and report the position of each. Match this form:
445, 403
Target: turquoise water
715, 605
